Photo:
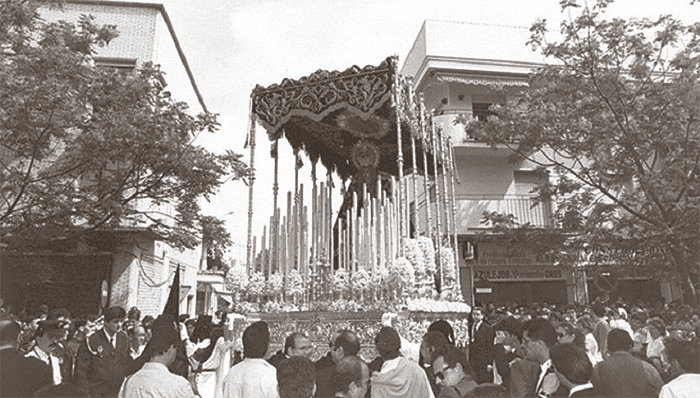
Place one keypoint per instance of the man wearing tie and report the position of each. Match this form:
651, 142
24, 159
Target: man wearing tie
529, 379
103, 357
481, 339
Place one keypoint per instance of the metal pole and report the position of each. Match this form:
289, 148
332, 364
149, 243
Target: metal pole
249, 247
399, 148
438, 234
453, 171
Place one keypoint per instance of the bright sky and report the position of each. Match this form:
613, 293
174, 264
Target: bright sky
232, 45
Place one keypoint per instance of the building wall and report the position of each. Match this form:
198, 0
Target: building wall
444, 56
136, 26
143, 35
166, 55
455, 65
143, 271
143, 268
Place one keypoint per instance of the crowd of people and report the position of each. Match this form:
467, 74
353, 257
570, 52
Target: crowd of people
597, 350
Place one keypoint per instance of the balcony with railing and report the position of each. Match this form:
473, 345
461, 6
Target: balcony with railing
457, 133
470, 209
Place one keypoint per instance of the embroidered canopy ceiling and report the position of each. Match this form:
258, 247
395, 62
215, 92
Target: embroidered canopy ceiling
328, 113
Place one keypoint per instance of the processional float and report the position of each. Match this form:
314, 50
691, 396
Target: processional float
392, 166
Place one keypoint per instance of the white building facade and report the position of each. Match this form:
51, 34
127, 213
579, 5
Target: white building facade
462, 69
142, 268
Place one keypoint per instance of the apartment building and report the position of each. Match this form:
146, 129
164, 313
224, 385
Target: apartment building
461, 69
136, 268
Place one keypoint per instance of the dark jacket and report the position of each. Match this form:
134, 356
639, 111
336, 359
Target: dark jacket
21, 376
277, 359
324, 362
503, 358
323, 382
623, 375
481, 352
524, 376
100, 366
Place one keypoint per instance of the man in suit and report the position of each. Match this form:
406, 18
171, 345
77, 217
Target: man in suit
481, 339
623, 375
296, 344
535, 376
345, 344
47, 341
20, 376
103, 358
573, 369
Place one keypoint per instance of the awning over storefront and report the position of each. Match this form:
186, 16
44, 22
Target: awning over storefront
481, 80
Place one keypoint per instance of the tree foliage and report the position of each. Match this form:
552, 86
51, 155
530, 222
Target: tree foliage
215, 241
615, 116
86, 148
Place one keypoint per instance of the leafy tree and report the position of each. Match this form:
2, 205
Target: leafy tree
86, 148
215, 241
615, 117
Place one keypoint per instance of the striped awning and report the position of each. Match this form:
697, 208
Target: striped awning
481, 80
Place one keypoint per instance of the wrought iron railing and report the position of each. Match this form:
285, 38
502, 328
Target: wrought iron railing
523, 207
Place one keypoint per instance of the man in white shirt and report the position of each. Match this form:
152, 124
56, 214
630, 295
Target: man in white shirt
254, 377
48, 336
154, 379
685, 359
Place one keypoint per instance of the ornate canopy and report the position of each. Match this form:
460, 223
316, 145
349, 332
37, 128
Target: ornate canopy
329, 114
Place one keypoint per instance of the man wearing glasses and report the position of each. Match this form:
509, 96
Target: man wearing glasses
296, 344
453, 372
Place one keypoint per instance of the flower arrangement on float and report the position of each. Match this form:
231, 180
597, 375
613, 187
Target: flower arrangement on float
408, 281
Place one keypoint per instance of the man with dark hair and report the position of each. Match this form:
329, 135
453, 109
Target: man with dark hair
103, 358
20, 376
48, 339
623, 375
429, 344
345, 344
535, 375
296, 378
398, 377
573, 369
443, 327
296, 344
154, 379
253, 377
481, 338
685, 361
350, 378
452, 372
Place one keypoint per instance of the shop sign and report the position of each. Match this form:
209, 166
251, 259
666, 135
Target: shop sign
484, 290
514, 274
497, 257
